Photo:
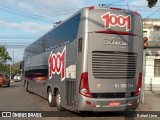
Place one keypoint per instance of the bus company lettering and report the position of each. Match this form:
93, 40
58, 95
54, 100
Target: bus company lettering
57, 64
114, 20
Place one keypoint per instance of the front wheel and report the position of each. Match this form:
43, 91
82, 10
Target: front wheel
8, 85
51, 98
58, 101
26, 86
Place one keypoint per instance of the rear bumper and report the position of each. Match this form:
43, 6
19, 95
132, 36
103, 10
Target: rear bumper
1, 82
102, 105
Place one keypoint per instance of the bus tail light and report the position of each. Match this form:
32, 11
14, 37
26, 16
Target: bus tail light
91, 7
136, 13
112, 8
115, 32
84, 87
138, 91
88, 103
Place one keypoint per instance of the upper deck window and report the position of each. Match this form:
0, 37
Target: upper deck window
64, 33
61, 35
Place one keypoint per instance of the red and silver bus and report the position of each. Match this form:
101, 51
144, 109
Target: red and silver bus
90, 62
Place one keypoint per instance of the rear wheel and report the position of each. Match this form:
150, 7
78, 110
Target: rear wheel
26, 86
3, 85
51, 98
137, 105
8, 85
58, 101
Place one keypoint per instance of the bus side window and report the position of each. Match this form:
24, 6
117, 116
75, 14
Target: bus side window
80, 45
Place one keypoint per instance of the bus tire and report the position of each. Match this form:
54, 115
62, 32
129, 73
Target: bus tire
51, 98
135, 108
26, 86
58, 101
3, 85
8, 85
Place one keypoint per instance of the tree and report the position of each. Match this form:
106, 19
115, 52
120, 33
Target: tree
152, 3
4, 55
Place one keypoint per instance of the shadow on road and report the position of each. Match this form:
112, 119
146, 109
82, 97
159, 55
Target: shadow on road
11, 86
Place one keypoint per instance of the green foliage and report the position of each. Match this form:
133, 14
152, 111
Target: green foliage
16, 68
5, 68
4, 55
151, 3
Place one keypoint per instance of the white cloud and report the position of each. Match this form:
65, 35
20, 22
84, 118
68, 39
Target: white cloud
47, 5
48, 9
10, 1
30, 27
25, 6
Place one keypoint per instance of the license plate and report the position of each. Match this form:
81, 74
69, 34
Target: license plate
114, 103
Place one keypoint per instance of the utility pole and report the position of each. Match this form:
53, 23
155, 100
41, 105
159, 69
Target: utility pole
10, 71
13, 57
127, 5
145, 45
144, 70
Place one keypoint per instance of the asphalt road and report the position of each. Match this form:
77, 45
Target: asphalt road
14, 98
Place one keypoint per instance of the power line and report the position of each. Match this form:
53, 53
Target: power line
16, 19
15, 50
145, 10
109, 4
61, 13
136, 6
27, 15
153, 13
42, 17
19, 12
15, 43
17, 37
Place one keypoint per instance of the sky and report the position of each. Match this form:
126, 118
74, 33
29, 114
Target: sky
24, 21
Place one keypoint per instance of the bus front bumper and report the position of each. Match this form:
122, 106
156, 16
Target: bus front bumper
119, 104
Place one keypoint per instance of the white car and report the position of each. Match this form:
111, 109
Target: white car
17, 77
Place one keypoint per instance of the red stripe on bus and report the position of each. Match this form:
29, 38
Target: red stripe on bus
115, 32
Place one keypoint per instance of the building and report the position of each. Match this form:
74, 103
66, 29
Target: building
151, 29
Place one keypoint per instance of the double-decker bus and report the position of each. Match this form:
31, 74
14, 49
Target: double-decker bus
90, 62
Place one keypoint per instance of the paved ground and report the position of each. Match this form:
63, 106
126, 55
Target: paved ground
15, 98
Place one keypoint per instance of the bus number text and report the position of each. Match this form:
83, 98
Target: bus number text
57, 64
114, 20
